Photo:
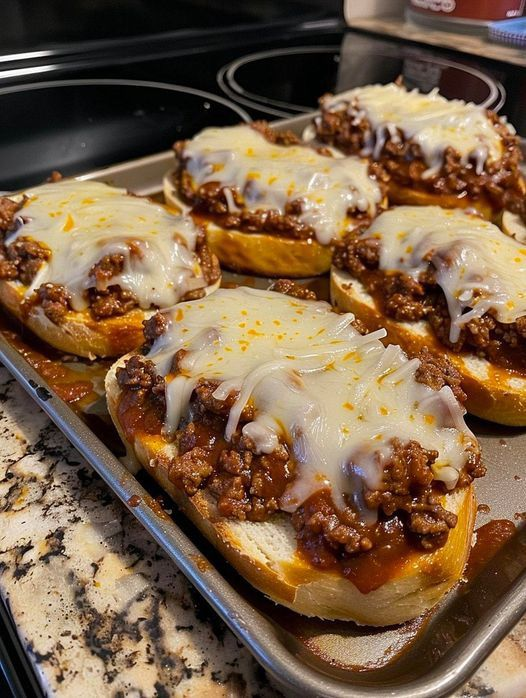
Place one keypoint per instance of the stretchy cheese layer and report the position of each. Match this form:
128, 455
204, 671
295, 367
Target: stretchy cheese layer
430, 120
337, 397
269, 176
81, 222
478, 267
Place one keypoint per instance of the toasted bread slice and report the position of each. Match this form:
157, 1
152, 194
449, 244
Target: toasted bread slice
493, 392
413, 196
265, 553
258, 253
80, 333
253, 168
91, 237
386, 120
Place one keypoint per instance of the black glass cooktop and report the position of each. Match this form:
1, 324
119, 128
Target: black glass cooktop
276, 80
29, 25
78, 127
75, 127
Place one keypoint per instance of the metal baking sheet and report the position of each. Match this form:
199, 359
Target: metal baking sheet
425, 658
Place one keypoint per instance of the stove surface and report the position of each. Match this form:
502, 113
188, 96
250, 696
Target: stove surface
38, 24
78, 125
290, 79
280, 76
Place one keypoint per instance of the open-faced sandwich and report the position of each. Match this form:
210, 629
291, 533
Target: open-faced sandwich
270, 204
82, 264
334, 473
451, 282
436, 151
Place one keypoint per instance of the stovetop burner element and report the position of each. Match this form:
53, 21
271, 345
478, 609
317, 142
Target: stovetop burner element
288, 81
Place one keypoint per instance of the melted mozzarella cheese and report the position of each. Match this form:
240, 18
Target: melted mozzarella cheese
430, 120
337, 397
269, 176
81, 222
478, 267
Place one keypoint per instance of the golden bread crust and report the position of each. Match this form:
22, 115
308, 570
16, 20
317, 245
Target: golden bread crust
406, 196
80, 333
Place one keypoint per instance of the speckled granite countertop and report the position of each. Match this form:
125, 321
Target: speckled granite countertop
99, 607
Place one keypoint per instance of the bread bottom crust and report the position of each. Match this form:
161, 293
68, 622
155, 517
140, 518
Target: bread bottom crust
407, 196
493, 392
80, 333
265, 553
259, 253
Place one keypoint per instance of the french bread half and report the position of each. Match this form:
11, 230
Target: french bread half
84, 264
428, 144
321, 464
265, 553
271, 205
258, 253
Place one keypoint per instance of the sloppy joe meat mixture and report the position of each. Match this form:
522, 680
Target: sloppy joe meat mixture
248, 486
500, 182
210, 201
22, 259
404, 298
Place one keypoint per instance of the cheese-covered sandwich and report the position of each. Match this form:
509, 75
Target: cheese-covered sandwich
449, 281
333, 473
435, 150
270, 204
82, 264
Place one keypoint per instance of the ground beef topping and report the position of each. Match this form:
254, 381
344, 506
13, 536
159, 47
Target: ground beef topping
54, 300
139, 375
8, 269
410, 515
406, 299
105, 269
111, 302
407, 491
437, 371
501, 182
208, 262
210, 200
247, 485
8, 211
213, 200
406, 487
293, 289
22, 259
154, 327
273, 136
